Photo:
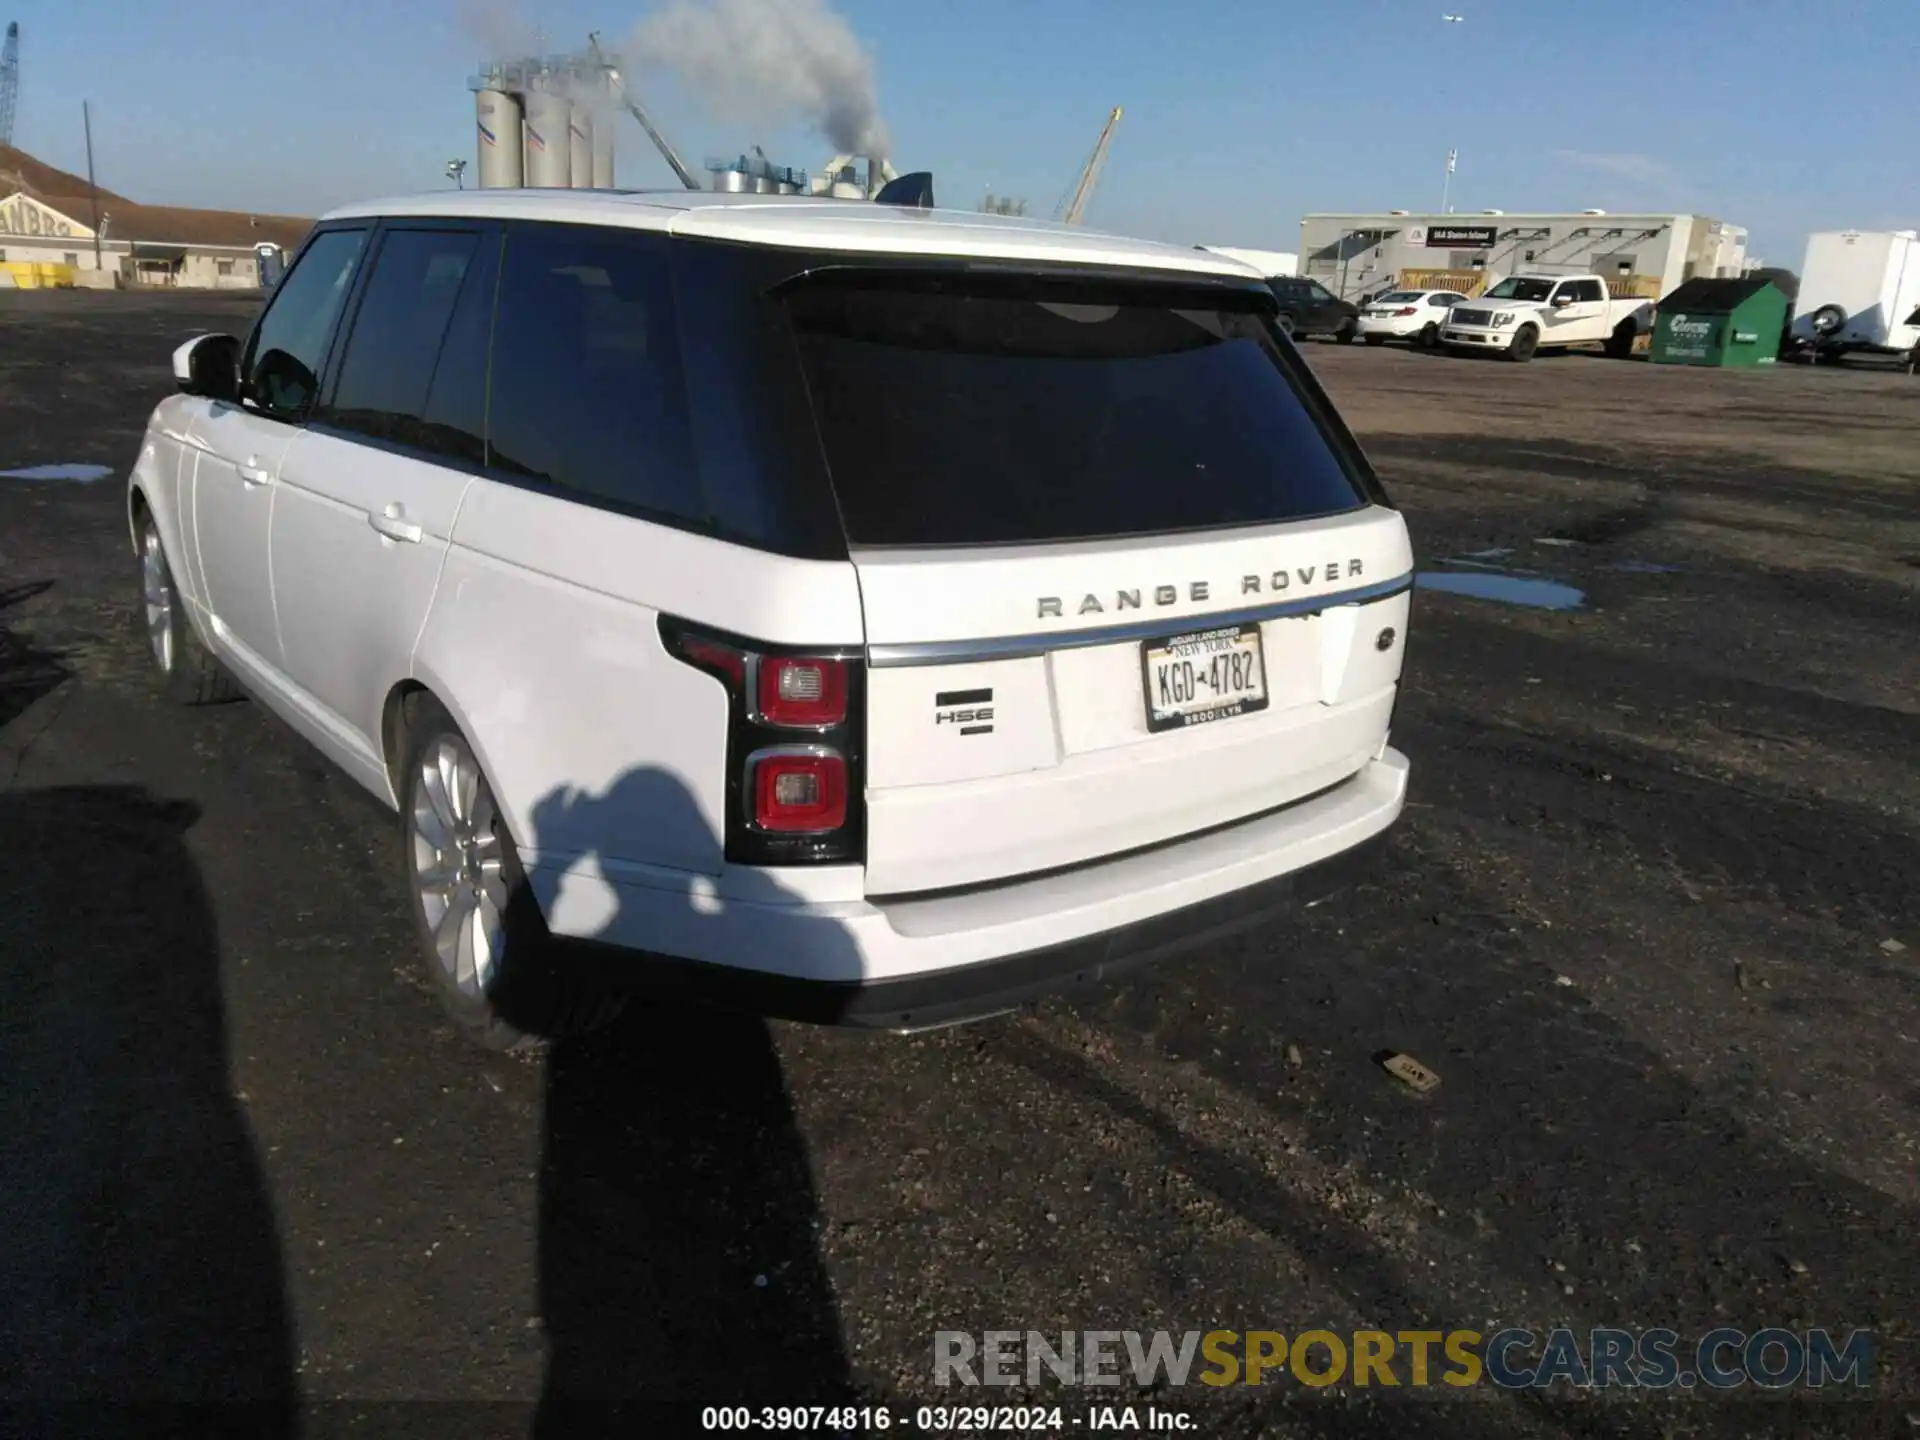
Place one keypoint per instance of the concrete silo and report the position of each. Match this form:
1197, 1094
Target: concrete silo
580, 129
549, 151
502, 154
603, 151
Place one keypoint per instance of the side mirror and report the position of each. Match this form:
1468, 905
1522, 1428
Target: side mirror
1560, 302
209, 366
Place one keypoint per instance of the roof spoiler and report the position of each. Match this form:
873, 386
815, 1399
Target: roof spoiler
915, 190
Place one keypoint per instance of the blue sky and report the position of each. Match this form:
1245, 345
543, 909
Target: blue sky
1240, 116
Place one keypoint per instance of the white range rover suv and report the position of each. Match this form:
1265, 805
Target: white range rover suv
849, 611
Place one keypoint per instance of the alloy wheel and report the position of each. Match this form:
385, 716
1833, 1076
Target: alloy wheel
457, 859
156, 586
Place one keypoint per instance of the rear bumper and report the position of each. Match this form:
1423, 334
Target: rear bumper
993, 987
936, 959
1392, 329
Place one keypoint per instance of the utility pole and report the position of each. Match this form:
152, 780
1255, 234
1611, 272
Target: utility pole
1453, 154
93, 190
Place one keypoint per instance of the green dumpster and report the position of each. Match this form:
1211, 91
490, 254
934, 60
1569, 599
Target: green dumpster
1732, 322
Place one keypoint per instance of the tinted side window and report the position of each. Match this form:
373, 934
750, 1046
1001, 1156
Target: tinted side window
1590, 290
281, 373
586, 392
400, 331
761, 471
454, 423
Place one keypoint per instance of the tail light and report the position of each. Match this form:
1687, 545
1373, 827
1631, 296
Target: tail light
794, 773
1405, 310
801, 790
801, 692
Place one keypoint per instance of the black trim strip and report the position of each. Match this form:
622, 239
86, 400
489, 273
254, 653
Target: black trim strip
961, 697
1023, 647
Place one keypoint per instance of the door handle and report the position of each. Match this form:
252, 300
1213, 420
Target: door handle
251, 473
392, 525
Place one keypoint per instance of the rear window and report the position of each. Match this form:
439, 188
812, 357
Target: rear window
1401, 297
974, 410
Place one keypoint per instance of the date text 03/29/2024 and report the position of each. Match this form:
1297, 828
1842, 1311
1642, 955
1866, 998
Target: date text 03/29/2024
944, 1419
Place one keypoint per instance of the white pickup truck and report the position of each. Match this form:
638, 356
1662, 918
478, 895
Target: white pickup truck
1523, 314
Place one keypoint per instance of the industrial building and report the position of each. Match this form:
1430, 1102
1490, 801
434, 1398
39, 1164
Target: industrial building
548, 122
46, 220
1645, 256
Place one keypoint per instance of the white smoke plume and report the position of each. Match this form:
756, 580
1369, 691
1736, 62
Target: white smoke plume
501, 28
767, 61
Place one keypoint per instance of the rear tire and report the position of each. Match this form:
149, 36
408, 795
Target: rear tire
483, 945
1525, 343
188, 672
1620, 343
1428, 338
1375, 339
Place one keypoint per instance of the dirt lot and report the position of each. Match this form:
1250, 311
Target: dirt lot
1654, 917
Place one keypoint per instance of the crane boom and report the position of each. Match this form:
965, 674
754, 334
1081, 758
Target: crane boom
9, 81
633, 108
1083, 191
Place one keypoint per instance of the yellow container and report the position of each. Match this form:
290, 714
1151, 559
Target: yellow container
39, 274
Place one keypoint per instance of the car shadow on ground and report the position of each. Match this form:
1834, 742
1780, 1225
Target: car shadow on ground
139, 1262
678, 1233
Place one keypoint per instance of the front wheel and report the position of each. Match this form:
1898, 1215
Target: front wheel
483, 944
1524, 344
188, 672
1344, 335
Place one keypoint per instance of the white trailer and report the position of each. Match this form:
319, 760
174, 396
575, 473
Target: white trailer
1859, 293
1268, 262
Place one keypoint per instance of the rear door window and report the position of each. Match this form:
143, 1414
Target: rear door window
397, 354
965, 411
587, 395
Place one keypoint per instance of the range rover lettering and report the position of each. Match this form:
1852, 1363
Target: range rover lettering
841, 610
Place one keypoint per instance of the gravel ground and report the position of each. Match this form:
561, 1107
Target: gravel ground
1653, 916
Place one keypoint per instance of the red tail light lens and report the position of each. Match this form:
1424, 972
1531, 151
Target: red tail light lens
802, 691
791, 799
1404, 310
798, 792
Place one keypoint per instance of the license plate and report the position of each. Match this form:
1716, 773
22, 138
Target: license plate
1205, 676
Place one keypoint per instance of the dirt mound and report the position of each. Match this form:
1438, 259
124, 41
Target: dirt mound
20, 171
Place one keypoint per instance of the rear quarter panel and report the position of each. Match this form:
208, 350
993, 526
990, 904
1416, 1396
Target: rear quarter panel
543, 640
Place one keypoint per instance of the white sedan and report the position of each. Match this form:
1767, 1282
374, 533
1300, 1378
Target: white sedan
1415, 316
